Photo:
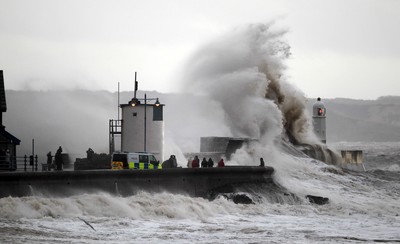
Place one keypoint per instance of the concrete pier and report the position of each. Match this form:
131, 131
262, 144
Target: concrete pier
196, 182
352, 159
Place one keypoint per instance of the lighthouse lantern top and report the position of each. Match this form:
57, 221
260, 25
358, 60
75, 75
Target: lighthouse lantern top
319, 109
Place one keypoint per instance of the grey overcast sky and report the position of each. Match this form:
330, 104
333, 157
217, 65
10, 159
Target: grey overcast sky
340, 48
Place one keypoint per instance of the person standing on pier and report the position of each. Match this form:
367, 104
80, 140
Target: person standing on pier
204, 163
89, 154
221, 163
58, 158
174, 162
195, 162
49, 161
262, 164
210, 163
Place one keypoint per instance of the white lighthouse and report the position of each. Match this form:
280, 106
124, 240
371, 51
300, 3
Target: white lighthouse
143, 126
319, 120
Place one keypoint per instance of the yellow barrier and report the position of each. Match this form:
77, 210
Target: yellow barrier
117, 165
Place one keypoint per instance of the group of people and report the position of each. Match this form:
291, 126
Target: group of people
206, 164
58, 161
170, 163
195, 163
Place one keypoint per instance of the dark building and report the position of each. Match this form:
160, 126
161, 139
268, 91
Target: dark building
215, 147
222, 145
8, 142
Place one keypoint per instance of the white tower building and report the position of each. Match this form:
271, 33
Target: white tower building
319, 120
143, 127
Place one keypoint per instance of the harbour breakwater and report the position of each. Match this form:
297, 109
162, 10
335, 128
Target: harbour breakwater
197, 182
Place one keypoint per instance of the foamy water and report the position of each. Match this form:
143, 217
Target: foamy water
362, 207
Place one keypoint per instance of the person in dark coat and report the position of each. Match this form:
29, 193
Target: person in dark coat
89, 154
262, 164
196, 162
221, 163
58, 158
166, 164
174, 163
204, 163
210, 163
49, 161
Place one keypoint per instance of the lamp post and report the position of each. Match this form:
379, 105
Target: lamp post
145, 122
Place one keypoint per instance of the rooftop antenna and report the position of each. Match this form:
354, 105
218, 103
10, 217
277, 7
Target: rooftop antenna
136, 86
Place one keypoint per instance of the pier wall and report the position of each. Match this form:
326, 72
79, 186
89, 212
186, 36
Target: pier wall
196, 182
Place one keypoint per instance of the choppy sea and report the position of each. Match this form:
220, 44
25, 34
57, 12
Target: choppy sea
364, 207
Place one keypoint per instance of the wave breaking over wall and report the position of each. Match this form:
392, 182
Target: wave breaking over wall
244, 71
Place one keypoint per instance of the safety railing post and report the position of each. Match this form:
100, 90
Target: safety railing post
25, 161
36, 162
31, 163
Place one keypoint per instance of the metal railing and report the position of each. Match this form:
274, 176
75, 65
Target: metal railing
115, 128
19, 163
